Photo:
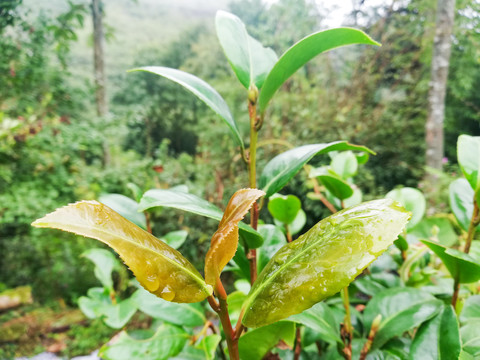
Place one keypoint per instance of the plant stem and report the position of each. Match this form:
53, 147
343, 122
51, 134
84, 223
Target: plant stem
456, 289
298, 344
472, 227
289, 234
348, 325
371, 336
328, 204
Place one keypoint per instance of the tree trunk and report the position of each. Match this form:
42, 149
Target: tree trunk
438, 86
98, 37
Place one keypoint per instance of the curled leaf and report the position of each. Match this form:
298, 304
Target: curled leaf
160, 269
225, 240
323, 260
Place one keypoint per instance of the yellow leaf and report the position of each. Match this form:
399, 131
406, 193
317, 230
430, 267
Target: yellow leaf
225, 240
159, 268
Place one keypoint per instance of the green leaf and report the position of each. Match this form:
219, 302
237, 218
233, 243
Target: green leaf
105, 262
402, 309
160, 269
203, 349
413, 200
203, 91
167, 342
194, 204
438, 338
117, 315
436, 227
175, 239
320, 319
250, 61
468, 152
459, 264
256, 343
278, 172
471, 309
461, 202
470, 334
93, 304
223, 245
323, 260
190, 315
126, 207
302, 52
355, 199
284, 208
235, 301
345, 164
338, 187
274, 239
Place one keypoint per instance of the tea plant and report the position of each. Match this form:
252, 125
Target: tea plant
298, 275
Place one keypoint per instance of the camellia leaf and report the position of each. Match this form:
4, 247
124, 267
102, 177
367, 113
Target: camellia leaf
278, 172
274, 239
167, 342
105, 262
202, 90
345, 164
468, 153
459, 264
320, 319
194, 204
471, 309
305, 50
126, 207
461, 202
225, 240
175, 239
160, 269
256, 343
284, 208
323, 260
438, 338
402, 309
190, 315
437, 227
470, 334
338, 187
413, 200
250, 61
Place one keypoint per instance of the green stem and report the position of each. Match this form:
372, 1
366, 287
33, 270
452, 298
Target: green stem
472, 227
348, 324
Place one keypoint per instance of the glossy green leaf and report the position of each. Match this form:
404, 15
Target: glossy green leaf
190, 315
345, 164
305, 50
284, 208
93, 304
202, 90
433, 227
296, 226
117, 315
256, 343
235, 301
413, 200
323, 260
470, 334
105, 262
461, 202
471, 309
202, 350
320, 319
374, 283
250, 61
401, 243
459, 264
126, 207
402, 309
278, 172
274, 239
355, 199
194, 204
175, 239
338, 187
136, 191
437, 338
160, 269
224, 242
167, 342
468, 152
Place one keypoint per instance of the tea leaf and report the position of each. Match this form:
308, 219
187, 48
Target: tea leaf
256, 343
470, 334
167, 342
278, 172
105, 262
160, 269
461, 202
438, 338
345, 164
471, 309
468, 152
175, 239
460, 265
284, 208
305, 50
324, 260
194, 204
202, 90
250, 61
338, 187
126, 207
225, 240
413, 200
274, 239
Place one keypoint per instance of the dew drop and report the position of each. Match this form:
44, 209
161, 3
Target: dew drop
167, 293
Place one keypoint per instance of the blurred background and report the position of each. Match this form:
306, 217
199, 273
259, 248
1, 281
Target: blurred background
70, 130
